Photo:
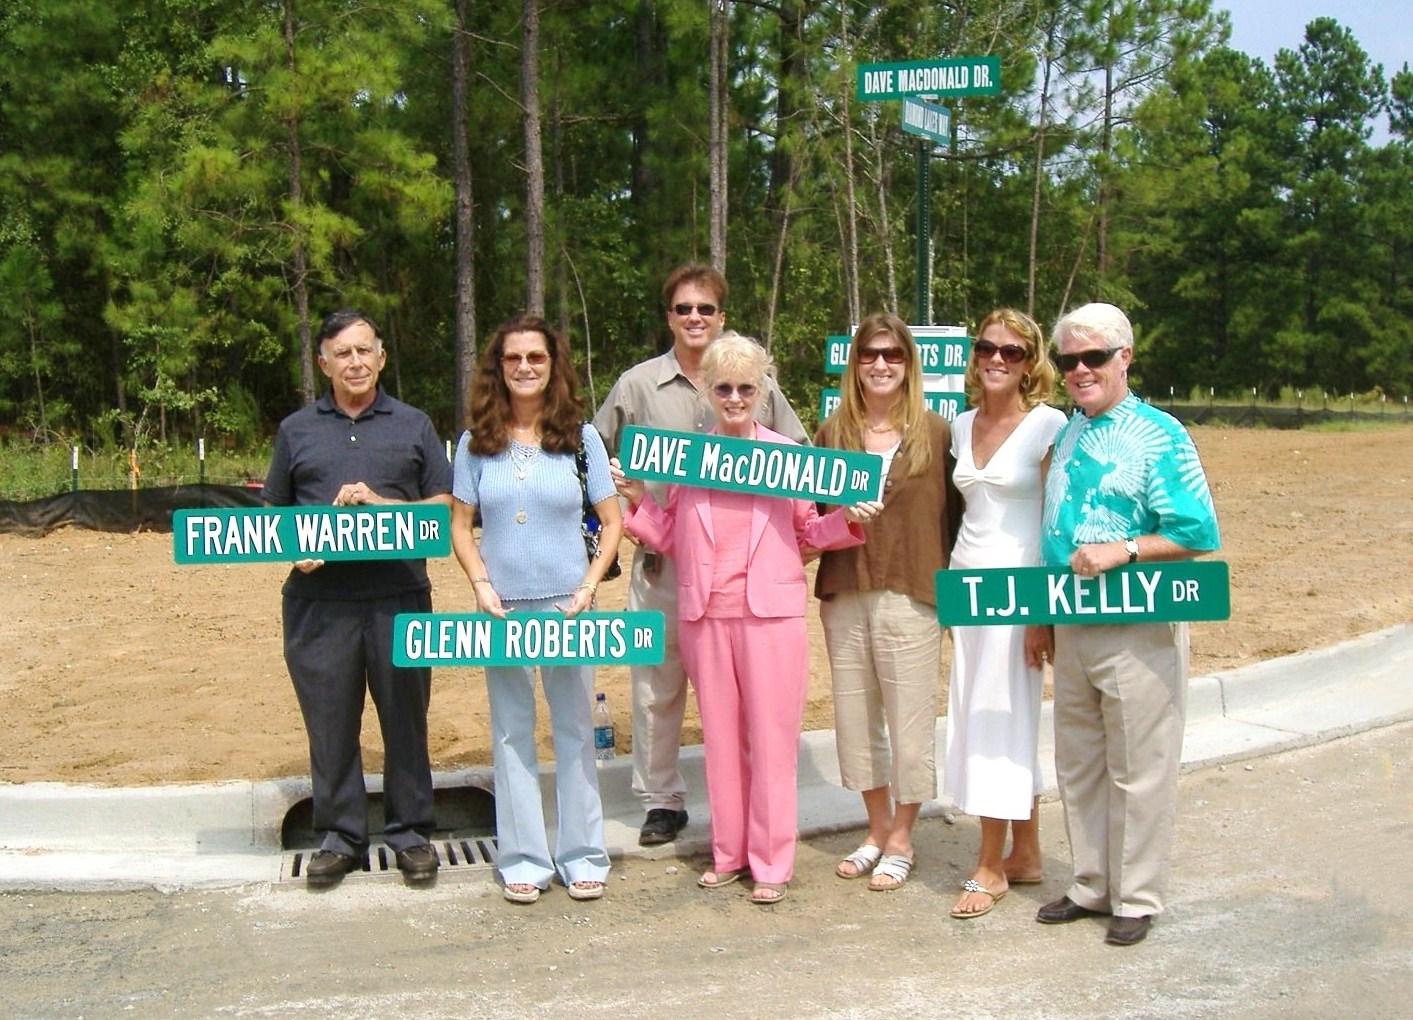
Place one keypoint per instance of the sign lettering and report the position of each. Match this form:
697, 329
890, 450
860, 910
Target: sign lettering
275, 534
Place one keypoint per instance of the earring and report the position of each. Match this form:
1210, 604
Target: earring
1025, 379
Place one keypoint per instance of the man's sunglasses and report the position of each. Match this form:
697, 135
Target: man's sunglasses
705, 311
1011, 354
892, 355
1096, 357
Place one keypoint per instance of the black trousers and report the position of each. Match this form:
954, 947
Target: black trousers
334, 651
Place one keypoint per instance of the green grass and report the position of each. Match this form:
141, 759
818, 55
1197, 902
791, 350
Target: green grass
38, 470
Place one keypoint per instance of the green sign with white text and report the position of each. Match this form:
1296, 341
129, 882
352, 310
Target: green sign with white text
951, 76
927, 121
1183, 590
528, 639
283, 534
948, 405
747, 465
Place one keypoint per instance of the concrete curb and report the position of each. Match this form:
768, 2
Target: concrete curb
55, 835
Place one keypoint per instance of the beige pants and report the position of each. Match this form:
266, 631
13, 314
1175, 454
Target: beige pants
659, 694
883, 658
1120, 698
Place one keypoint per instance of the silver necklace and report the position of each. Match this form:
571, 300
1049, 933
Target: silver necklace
522, 458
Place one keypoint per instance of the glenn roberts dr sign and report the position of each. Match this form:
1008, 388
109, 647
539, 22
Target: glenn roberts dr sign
1182, 590
747, 465
274, 534
528, 639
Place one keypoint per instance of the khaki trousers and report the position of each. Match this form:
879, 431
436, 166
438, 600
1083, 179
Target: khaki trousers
1120, 700
659, 693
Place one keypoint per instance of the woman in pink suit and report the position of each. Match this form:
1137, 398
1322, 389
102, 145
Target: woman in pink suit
741, 605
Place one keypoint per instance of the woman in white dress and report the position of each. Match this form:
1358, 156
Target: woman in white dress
1001, 448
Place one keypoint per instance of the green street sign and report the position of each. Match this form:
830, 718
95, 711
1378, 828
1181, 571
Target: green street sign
283, 534
528, 639
747, 465
1135, 593
948, 405
941, 355
951, 76
931, 122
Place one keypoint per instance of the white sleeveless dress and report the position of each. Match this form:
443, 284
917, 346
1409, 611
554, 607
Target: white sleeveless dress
993, 712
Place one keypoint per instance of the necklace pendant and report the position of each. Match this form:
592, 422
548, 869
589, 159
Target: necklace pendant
521, 517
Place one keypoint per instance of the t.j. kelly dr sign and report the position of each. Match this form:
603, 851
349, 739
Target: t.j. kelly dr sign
1137, 593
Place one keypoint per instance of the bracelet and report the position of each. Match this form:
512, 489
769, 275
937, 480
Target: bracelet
480, 580
592, 589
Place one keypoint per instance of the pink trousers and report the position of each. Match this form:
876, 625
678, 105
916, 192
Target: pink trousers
750, 675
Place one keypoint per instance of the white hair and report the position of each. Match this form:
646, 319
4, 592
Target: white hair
1095, 321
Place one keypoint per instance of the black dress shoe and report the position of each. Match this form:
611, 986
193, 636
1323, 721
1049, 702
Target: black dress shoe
661, 826
1063, 911
418, 863
327, 867
1128, 931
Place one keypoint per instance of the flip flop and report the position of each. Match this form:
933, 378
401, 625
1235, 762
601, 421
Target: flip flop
1031, 880
767, 893
585, 890
718, 879
864, 860
971, 885
894, 867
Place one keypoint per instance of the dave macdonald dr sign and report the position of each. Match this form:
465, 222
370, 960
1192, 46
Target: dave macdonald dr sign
1182, 590
747, 465
273, 534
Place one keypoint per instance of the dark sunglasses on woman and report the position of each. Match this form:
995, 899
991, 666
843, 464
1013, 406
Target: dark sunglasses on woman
891, 355
1011, 354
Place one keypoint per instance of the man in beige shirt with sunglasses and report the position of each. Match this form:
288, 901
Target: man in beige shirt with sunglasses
664, 392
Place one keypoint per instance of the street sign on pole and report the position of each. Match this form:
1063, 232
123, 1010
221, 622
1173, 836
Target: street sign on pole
950, 76
931, 122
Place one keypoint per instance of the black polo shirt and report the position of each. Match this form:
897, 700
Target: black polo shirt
392, 448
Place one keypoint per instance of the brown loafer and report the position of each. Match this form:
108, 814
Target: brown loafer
1128, 931
1063, 911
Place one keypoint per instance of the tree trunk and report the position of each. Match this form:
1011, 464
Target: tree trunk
718, 147
465, 243
1047, 65
534, 162
1105, 150
885, 231
301, 290
851, 205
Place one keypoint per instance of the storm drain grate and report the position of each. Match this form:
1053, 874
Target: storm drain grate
474, 853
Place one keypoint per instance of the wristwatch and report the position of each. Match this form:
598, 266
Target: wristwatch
1131, 547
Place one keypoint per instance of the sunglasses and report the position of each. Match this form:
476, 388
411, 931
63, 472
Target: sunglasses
891, 355
705, 311
725, 389
1011, 354
533, 357
1095, 358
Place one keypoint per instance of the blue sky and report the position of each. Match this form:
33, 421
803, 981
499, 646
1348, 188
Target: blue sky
1384, 28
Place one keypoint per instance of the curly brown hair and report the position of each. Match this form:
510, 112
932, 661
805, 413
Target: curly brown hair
562, 419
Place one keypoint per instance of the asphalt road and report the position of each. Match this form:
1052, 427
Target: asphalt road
1291, 897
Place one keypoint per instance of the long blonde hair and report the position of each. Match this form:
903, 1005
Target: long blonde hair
1038, 380
846, 428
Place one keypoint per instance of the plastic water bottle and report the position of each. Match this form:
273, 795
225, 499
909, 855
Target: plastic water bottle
604, 747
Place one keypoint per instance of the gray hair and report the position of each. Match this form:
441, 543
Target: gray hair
731, 353
1095, 321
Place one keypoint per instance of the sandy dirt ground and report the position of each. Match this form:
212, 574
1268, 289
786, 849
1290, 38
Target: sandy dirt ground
1288, 899
120, 668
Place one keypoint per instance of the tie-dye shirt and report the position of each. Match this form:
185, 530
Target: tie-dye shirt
1130, 471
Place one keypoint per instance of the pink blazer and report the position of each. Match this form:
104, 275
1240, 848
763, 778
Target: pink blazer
775, 572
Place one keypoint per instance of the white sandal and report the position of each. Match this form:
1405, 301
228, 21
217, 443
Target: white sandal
893, 866
864, 860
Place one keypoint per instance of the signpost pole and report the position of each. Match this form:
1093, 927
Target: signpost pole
923, 307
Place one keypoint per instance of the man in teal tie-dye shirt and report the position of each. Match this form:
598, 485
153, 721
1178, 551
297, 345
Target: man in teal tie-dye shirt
1124, 485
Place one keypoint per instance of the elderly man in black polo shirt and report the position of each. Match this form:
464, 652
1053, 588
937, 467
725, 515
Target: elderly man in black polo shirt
358, 445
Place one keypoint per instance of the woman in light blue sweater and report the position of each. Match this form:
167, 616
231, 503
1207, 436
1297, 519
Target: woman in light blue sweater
517, 464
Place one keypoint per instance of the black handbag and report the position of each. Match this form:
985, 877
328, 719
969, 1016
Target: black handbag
590, 525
